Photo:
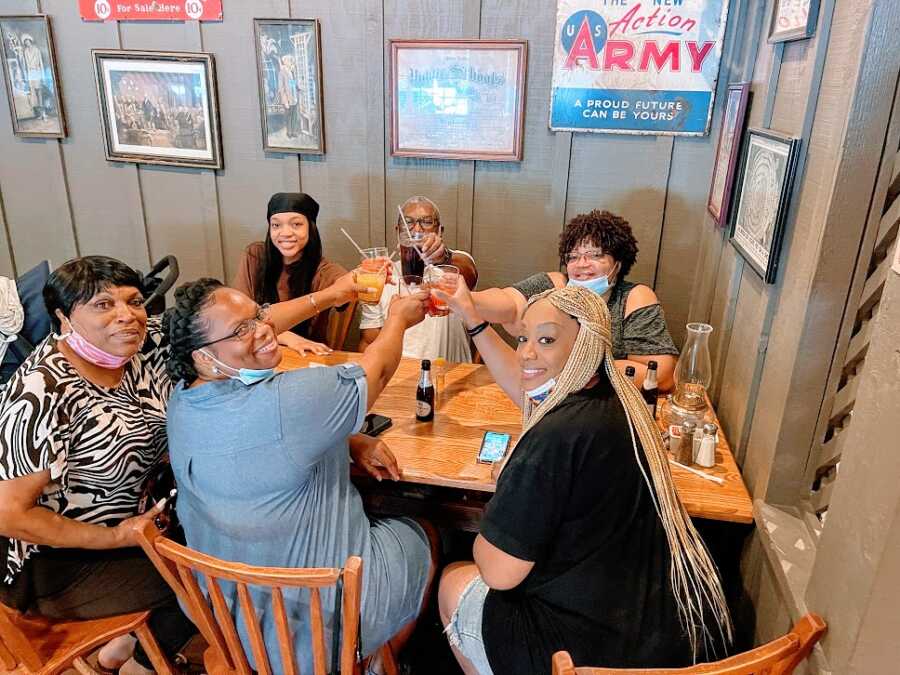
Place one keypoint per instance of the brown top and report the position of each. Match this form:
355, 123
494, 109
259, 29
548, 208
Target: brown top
327, 273
468, 402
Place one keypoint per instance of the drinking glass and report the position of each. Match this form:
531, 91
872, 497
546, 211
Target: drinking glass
410, 284
410, 261
372, 273
443, 277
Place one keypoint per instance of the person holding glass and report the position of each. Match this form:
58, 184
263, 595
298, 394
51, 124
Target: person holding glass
289, 264
421, 243
262, 462
597, 250
584, 546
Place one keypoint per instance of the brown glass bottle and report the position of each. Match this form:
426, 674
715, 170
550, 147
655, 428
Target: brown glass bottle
649, 390
425, 394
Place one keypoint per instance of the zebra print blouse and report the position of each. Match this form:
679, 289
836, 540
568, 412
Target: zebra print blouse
99, 444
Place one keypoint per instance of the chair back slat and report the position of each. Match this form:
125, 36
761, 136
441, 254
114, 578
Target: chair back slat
283, 630
318, 631
251, 621
226, 623
199, 606
350, 613
16, 644
778, 657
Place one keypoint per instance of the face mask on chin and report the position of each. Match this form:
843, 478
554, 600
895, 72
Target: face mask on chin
598, 285
91, 352
247, 376
541, 392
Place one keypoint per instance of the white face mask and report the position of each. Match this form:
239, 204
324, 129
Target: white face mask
541, 392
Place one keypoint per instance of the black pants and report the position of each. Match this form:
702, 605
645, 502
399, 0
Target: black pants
82, 584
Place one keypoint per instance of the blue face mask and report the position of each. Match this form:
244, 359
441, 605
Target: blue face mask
538, 394
247, 376
599, 285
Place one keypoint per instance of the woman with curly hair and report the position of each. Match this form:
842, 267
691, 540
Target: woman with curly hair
585, 546
598, 250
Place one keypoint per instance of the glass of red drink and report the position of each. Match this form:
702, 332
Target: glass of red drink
443, 277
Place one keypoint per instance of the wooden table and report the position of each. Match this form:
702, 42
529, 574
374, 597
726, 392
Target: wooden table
442, 453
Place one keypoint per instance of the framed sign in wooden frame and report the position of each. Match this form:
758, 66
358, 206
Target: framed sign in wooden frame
727, 151
458, 99
793, 20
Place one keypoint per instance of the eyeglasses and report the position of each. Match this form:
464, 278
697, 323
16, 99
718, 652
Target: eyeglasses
590, 256
426, 223
244, 328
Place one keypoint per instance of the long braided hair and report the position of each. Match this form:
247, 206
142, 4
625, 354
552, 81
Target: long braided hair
185, 328
694, 577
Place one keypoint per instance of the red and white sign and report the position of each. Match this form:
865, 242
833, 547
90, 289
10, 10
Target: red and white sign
158, 10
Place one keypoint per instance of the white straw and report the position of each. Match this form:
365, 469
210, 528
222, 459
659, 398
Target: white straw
346, 234
702, 474
409, 234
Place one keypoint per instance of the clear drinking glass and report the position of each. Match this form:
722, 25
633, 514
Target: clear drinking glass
693, 374
441, 277
410, 260
373, 272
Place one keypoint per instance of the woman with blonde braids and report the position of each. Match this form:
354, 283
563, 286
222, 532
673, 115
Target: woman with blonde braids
585, 546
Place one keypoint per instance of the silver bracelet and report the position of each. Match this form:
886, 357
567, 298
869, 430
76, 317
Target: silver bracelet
313, 302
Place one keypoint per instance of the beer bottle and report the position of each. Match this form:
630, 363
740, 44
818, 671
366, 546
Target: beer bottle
629, 372
425, 394
649, 390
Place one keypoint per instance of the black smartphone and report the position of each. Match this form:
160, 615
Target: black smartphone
375, 424
493, 447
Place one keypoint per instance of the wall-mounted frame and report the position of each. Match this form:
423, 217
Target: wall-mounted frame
31, 76
720, 189
289, 68
458, 99
793, 20
766, 182
159, 107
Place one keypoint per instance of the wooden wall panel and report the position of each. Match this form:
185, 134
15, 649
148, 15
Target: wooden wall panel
180, 204
33, 183
250, 176
105, 196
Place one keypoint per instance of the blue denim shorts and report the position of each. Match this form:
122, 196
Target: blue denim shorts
464, 629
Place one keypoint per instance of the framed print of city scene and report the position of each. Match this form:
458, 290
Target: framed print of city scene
30, 74
159, 107
289, 66
764, 196
458, 99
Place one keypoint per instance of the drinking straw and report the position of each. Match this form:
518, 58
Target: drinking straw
702, 474
347, 234
409, 234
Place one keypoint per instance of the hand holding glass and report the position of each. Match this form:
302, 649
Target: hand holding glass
444, 278
372, 273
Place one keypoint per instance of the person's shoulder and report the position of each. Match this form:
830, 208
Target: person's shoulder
558, 279
255, 250
638, 296
43, 378
328, 269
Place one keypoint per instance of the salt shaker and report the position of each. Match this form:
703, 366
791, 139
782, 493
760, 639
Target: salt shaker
706, 456
698, 437
685, 452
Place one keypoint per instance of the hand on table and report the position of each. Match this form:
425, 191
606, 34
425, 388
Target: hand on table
303, 346
374, 456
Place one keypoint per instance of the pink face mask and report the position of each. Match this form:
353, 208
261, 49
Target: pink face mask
90, 352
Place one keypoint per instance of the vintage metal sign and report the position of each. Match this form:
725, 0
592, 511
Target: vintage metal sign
636, 66
165, 10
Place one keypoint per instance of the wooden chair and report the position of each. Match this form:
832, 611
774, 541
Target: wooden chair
339, 325
225, 655
36, 645
778, 657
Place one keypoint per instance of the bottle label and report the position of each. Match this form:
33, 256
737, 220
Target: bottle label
422, 409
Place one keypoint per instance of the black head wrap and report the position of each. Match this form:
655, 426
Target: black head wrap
293, 202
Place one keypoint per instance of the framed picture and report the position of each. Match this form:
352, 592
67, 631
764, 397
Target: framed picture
765, 186
289, 67
31, 76
727, 151
793, 20
159, 107
458, 99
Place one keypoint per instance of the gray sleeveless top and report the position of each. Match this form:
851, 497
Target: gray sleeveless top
643, 332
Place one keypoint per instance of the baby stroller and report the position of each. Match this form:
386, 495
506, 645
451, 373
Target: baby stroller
37, 322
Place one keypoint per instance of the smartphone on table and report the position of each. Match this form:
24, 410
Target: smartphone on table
375, 424
493, 447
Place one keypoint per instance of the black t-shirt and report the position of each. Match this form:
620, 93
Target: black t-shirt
573, 500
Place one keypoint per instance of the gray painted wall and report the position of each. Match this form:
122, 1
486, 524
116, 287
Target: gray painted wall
60, 199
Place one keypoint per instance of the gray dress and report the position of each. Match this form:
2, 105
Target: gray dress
642, 333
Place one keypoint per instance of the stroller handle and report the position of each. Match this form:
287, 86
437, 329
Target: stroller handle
165, 284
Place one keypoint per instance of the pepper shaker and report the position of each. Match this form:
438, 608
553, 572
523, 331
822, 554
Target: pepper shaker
685, 454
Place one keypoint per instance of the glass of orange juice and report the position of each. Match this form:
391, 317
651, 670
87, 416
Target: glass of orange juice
372, 273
